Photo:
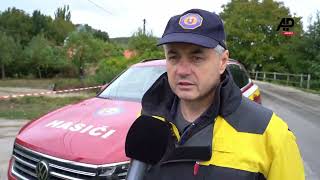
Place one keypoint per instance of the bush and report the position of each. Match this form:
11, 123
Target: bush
315, 85
61, 84
110, 68
148, 55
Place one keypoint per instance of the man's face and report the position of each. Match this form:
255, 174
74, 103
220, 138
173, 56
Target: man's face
193, 71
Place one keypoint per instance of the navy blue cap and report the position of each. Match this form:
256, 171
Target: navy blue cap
195, 26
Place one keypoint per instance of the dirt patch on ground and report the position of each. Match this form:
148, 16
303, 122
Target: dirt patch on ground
5, 91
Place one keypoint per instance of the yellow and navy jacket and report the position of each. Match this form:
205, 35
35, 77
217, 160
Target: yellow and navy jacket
235, 139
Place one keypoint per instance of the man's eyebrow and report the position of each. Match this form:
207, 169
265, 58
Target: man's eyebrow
171, 51
197, 51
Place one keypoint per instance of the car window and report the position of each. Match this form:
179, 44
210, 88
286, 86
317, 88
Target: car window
239, 75
133, 83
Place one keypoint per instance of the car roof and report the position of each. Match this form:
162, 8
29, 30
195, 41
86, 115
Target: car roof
162, 62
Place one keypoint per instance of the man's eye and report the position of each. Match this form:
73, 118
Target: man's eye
197, 59
172, 58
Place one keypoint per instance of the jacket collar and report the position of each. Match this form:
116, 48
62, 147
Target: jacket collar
160, 100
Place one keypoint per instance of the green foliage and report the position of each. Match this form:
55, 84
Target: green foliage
311, 47
59, 30
101, 35
307, 53
17, 24
110, 68
8, 49
96, 33
252, 38
85, 49
252, 35
30, 83
43, 56
121, 41
71, 83
40, 23
63, 13
23, 29
34, 107
143, 43
39, 46
56, 83
152, 55
302, 55
113, 50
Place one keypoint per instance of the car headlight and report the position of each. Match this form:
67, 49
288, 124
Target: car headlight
116, 172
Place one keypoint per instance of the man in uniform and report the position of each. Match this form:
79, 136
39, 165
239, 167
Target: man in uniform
217, 133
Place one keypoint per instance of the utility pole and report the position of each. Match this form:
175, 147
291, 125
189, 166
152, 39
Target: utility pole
144, 26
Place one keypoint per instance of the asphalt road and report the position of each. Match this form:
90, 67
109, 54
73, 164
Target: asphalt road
299, 109
8, 130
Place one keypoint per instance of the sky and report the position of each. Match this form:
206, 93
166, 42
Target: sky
121, 18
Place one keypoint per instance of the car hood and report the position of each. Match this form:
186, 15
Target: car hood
92, 131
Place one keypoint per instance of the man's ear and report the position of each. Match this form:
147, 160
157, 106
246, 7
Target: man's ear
223, 61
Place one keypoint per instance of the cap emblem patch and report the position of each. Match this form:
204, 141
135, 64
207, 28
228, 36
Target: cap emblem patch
190, 21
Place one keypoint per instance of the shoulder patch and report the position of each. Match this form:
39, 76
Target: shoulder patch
250, 117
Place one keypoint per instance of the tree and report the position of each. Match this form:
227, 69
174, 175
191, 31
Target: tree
17, 24
63, 13
96, 33
59, 30
40, 54
7, 52
61, 25
312, 46
145, 44
110, 68
101, 35
84, 49
252, 35
305, 52
40, 23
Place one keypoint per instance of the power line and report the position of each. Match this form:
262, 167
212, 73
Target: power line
97, 5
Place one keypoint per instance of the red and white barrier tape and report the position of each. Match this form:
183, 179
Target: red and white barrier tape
48, 92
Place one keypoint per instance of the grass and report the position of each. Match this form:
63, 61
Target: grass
30, 83
58, 83
34, 107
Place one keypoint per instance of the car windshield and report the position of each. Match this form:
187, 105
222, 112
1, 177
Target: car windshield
133, 83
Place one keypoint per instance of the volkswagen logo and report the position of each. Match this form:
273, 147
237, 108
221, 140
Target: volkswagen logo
42, 170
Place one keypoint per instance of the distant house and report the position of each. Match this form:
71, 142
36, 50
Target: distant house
129, 53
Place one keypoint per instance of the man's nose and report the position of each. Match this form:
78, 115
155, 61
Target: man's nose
183, 67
